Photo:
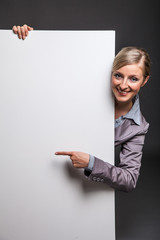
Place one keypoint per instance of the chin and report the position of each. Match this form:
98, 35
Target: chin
124, 99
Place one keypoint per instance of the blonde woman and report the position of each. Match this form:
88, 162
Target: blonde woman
130, 72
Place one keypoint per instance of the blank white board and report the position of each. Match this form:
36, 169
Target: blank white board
55, 95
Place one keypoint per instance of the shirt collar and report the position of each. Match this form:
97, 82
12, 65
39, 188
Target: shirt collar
134, 113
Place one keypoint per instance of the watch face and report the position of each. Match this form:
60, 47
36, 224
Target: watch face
87, 172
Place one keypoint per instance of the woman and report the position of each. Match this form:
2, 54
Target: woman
130, 72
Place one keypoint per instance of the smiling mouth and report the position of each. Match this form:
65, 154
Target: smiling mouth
122, 93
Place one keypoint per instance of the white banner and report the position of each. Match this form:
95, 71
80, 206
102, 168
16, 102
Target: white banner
55, 95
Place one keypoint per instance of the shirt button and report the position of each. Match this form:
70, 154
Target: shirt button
94, 179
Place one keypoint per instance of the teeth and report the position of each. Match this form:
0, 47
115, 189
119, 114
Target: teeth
122, 92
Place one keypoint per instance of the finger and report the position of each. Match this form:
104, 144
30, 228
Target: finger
73, 158
30, 28
23, 33
64, 153
25, 29
15, 30
76, 165
19, 32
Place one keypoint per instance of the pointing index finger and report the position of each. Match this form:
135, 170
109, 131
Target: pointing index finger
64, 153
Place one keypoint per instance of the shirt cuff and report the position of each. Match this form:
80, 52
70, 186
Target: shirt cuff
88, 170
91, 162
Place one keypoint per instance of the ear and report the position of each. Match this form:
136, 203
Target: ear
145, 81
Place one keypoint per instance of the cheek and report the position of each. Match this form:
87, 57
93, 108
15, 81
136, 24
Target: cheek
114, 83
136, 87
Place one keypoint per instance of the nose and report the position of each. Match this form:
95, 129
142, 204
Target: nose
124, 84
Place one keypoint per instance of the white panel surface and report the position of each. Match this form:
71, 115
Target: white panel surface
55, 95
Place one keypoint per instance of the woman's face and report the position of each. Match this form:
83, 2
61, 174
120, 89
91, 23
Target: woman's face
127, 81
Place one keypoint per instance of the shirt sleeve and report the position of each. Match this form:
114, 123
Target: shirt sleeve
123, 177
88, 169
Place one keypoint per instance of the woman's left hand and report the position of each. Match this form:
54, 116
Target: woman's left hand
79, 159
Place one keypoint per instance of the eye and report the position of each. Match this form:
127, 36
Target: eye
134, 79
117, 75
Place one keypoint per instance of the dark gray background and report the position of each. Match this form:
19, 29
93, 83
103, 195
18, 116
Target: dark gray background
136, 23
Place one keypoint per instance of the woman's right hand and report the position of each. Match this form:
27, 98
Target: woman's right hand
22, 31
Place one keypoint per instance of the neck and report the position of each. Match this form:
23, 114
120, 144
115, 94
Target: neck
122, 109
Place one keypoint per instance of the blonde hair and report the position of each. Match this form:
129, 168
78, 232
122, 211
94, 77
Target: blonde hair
132, 55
